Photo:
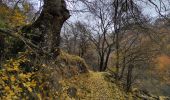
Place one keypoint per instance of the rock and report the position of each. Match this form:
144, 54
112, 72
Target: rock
71, 65
144, 95
72, 92
164, 98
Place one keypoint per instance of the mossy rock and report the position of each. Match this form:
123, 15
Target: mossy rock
71, 65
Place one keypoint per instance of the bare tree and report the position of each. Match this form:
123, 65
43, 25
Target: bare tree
83, 38
101, 31
76, 39
135, 52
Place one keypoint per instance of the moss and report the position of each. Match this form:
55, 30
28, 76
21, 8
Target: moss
71, 58
72, 61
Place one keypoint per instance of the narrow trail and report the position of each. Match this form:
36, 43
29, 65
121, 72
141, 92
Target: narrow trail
92, 86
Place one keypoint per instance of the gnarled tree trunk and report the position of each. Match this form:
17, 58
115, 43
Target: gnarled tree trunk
48, 26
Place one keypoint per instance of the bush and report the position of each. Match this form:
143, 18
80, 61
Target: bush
15, 82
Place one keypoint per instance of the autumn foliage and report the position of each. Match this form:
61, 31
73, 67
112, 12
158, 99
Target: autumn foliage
163, 62
11, 18
15, 82
162, 68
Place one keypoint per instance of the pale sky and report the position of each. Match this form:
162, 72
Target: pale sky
148, 10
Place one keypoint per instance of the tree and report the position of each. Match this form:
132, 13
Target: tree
2, 42
102, 34
46, 29
49, 24
75, 38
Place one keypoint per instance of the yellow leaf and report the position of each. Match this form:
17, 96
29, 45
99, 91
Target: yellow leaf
29, 89
7, 88
13, 78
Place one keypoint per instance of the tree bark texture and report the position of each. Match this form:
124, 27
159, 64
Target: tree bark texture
48, 26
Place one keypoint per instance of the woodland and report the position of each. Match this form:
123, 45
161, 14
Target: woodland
84, 49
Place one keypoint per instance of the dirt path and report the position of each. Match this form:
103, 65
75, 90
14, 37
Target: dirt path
91, 86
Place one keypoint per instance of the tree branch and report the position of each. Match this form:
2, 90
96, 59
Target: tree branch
16, 35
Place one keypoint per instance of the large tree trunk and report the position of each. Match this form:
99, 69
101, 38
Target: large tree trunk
48, 26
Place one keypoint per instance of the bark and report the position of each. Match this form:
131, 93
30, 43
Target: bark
129, 78
2, 46
107, 59
101, 63
49, 25
123, 68
117, 55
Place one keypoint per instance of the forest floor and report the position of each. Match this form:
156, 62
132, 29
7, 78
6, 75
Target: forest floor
90, 86
98, 86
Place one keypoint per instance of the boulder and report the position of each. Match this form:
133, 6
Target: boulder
72, 92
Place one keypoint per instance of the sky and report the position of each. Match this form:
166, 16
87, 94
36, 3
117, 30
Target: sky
147, 10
